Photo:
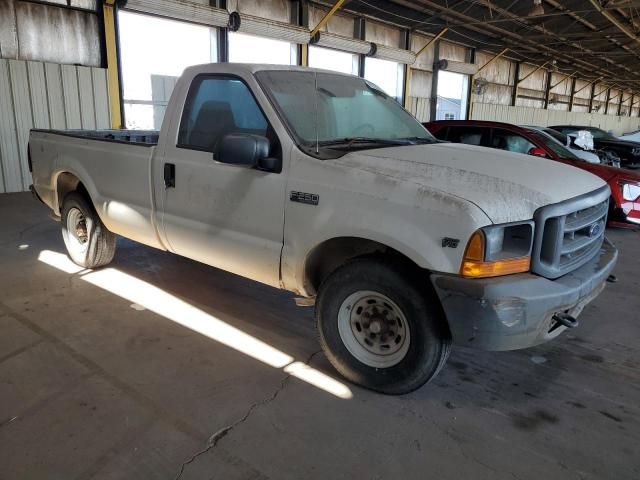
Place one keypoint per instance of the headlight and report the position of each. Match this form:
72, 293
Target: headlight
630, 191
498, 250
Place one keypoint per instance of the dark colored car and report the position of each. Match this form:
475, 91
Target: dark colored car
624, 184
629, 152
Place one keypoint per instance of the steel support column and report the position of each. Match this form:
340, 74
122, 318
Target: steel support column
516, 83
433, 100
359, 26
300, 17
573, 93
547, 89
471, 58
406, 44
591, 97
223, 34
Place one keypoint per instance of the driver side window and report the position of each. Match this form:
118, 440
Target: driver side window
216, 107
509, 141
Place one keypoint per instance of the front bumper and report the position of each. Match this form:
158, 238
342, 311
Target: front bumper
515, 311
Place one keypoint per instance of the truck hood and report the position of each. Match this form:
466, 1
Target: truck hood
507, 186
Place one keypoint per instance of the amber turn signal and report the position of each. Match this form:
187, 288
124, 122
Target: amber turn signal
474, 265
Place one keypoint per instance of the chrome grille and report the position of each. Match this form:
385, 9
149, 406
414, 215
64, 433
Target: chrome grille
569, 234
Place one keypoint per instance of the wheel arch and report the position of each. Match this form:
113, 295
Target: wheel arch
67, 182
332, 253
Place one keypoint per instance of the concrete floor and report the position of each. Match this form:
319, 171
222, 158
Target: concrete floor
94, 385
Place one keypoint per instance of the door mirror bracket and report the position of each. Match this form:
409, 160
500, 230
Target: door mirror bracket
270, 164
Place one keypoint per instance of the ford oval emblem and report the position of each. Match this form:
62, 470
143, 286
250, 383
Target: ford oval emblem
595, 229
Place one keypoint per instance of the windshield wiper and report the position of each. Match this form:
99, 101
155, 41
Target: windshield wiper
419, 140
349, 141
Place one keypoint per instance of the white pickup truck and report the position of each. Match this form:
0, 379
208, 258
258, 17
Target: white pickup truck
319, 183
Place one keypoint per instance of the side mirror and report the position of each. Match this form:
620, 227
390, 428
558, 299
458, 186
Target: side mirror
538, 152
242, 149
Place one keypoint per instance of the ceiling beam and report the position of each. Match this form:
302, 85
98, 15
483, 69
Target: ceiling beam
623, 28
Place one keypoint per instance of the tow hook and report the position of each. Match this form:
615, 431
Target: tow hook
612, 279
566, 320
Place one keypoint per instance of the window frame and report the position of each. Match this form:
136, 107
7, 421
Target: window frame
191, 94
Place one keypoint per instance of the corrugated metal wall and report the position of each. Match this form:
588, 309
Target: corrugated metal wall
543, 118
44, 95
50, 33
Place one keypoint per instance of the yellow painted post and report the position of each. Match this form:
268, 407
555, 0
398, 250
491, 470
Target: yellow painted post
304, 55
407, 82
108, 10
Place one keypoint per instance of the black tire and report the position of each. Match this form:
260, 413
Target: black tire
97, 245
430, 341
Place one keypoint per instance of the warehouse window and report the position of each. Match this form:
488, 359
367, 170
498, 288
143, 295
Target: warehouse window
245, 48
154, 52
335, 60
453, 90
387, 75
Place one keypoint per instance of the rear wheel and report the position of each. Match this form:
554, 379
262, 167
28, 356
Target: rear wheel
88, 241
378, 329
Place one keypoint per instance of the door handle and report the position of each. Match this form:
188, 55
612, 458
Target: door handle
169, 175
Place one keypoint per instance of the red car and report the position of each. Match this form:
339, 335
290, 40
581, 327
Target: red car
624, 184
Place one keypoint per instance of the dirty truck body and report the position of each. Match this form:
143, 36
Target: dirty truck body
320, 184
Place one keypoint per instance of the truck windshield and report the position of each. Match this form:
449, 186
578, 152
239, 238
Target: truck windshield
339, 111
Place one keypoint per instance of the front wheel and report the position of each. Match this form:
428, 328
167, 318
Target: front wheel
88, 241
378, 329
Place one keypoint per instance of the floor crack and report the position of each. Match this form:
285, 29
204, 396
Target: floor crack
224, 431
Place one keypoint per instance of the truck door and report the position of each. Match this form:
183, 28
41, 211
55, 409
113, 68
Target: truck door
227, 216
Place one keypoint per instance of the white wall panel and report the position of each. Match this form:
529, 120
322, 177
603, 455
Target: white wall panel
22, 113
44, 95
85, 93
71, 96
101, 97
541, 117
9, 157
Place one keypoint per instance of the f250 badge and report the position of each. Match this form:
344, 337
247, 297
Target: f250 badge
302, 197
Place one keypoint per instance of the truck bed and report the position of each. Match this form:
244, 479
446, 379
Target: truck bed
138, 137
114, 166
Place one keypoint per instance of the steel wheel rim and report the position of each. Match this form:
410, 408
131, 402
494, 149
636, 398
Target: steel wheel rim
77, 228
374, 329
